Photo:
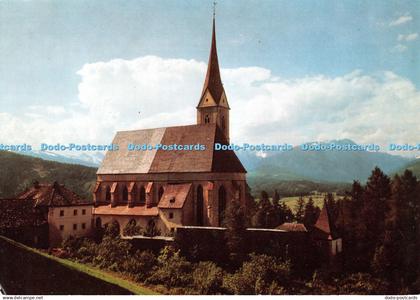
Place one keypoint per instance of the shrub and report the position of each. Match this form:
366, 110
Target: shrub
172, 269
112, 252
262, 274
362, 284
207, 278
132, 228
139, 265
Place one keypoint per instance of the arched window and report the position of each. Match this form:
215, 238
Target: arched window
206, 119
223, 122
142, 195
200, 206
98, 223
125, 194
222, 205
161, 190
108, 194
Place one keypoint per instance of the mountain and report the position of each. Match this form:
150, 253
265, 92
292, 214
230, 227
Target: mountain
413, 166
18, 171
90, 160
319, 166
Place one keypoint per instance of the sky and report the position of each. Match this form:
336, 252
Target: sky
293, 71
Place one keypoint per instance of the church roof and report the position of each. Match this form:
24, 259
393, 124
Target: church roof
295, 227
324, 227
52, 195
213, 81
174, 195
123, 161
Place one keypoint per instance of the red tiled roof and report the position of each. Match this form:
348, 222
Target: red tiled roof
171, 161
125, 210
213, 81
174, 195
52, 195
297, 227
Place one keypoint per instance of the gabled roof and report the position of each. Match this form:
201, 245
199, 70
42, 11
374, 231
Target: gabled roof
324, 227
174, 195
293, 227
52, 195
213, 81
124, 161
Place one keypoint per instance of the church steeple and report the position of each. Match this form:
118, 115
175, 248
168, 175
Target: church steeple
213, 106
213, 81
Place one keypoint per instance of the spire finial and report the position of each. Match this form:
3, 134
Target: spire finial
214, 9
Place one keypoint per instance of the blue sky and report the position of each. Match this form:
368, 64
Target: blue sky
45, 45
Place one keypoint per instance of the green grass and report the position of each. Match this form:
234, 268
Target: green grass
24, 270
318, 200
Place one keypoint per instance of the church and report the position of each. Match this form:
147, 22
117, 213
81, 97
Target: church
166, 189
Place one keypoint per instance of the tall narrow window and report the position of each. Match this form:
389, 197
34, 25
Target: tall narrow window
200, 206
142, 195
222, 205
108, 194
160, 193
125, 194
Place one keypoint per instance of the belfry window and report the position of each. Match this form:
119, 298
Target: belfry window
206, 119
223, 122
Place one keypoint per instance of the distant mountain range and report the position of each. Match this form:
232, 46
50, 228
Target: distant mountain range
80, 158
413, 166
329, 170
320, 166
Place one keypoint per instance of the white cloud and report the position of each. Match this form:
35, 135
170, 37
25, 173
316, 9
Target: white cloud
399, 48
401, 20
380, 108
407, 37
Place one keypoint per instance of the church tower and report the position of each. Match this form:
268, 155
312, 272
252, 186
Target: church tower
213, 107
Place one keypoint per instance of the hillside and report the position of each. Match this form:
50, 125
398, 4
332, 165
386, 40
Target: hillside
18, 171
413, 166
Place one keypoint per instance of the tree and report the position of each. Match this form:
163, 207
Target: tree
208, 278
132, 228
300, 210
262, 274
172, 269
311, 213
264, 213
396, 256
235, 222
376, 197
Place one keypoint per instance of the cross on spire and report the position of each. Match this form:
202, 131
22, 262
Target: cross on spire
214, 9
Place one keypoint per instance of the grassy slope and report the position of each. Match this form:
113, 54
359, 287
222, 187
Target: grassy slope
24, 270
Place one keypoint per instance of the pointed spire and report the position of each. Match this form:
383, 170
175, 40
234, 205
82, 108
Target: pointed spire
325, 223
213, 81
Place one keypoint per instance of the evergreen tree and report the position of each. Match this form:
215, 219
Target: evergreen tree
288, 214
300, 210
264, 213
396, 256
311, 213
279, 214
235, 222
376, 197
